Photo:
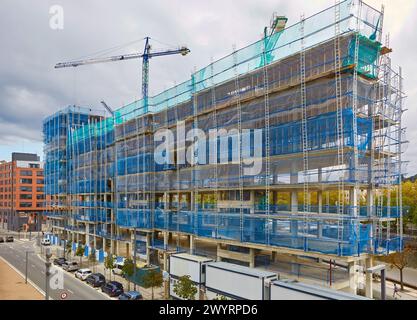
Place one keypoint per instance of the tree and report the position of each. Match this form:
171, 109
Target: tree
109, 263
92, 258
400, 260
152, 279
80, 253
220, 297
68, 247
128, 270
185, 288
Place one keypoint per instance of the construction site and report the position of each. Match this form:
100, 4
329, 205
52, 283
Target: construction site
329, 104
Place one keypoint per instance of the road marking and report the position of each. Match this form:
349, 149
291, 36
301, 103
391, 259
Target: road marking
70, 291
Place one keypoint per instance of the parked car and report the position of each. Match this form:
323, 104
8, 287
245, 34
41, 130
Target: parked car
96, 280
1, 239
9, 239
113, 288
131, 295
118, 268
59, 261
45, 242
82, 274
70, 266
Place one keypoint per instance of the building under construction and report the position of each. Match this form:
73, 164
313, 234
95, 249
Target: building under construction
328, 103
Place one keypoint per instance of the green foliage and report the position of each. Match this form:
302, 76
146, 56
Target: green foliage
153, 279
80, 253
128, 267
68, 247
185, 288
220, 297
80, 250
109, 262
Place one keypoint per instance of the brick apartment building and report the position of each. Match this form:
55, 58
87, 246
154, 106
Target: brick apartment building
22, 196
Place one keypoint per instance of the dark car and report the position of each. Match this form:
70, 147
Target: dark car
59, 261
131, 295
112, 288
9, 239
1, 239
96, 280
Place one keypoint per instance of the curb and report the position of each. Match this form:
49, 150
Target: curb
23, 276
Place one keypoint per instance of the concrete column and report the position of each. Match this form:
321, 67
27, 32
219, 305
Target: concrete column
252, 201
95, 238
319, 229
218, 249
166, 238
274, 256
191, 238
353, 199
148, 250
87, 234
165, 264
166, 201
370, 201
320, 201
369, 280
353, 277
252, 258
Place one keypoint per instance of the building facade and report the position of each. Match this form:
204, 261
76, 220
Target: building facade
317, 106
22, 197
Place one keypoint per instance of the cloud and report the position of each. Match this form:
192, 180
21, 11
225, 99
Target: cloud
31, 89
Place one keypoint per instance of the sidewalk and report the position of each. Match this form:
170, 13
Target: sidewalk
13, 287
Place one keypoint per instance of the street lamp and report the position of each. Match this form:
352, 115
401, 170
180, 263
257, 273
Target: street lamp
48, 256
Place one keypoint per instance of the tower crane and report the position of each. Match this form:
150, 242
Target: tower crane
146, 56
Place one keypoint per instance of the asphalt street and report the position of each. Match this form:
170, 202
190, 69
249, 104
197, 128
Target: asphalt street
73, 289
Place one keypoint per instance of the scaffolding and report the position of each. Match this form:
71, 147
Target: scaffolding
328, 103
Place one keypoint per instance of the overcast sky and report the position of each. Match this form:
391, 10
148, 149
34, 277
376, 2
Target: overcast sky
30, 88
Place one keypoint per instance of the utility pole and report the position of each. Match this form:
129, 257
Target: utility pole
48, 256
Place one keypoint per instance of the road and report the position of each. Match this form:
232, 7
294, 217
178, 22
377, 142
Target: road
15, 254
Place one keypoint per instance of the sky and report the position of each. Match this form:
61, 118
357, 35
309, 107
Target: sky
31, 89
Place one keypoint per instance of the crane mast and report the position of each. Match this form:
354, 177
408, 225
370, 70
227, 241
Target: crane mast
146, 56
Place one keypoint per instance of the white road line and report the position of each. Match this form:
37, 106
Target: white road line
70, 291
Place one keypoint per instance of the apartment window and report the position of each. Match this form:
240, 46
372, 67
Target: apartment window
26, 181
40, 205
26, 173
25, 204
39, 173
39, 181
25, 189
34, 165
40, 196
26, 196
39, 189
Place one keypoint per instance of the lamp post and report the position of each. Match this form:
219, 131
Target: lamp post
48, 256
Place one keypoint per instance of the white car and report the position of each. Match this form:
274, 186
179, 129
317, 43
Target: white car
70, 266
118, 268
82, 274
45, 242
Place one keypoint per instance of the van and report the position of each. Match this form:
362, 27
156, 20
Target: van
45, 242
